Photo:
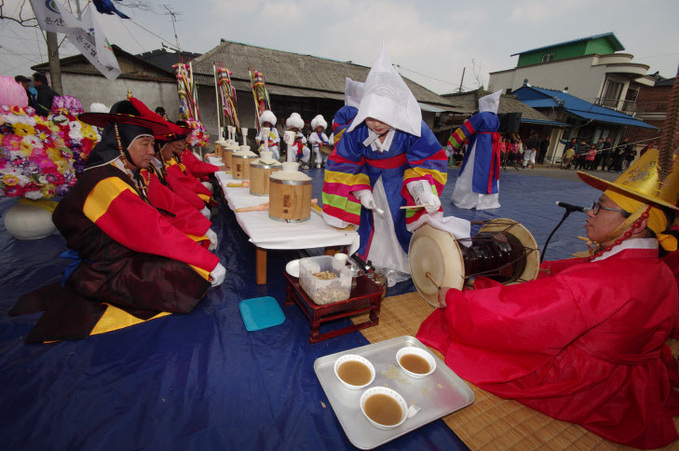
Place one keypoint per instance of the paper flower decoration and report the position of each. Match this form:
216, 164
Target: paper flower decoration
199, 135
39, 157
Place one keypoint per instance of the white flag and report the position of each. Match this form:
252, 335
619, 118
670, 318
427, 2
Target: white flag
48, 16
105, 55
86, 36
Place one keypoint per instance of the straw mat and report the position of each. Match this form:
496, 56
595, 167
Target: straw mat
490, 423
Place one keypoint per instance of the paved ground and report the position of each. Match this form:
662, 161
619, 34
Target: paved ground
562, 174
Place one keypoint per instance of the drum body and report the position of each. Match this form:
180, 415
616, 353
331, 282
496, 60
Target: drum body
289, 200
326, 149
259, 177
503, 250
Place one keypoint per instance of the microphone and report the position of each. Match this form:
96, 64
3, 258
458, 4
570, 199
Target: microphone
571, 207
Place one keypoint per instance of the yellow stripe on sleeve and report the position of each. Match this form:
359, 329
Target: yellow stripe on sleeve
100, 198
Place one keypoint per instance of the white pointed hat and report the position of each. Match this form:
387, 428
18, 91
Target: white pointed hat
353, 92
386, 97
491, 102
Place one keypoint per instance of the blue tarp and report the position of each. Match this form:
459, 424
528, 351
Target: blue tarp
201, 381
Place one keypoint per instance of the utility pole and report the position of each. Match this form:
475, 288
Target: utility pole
461, 80
53, 59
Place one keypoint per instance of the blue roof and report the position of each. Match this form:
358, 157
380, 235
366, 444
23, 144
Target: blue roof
611, 36
546, 98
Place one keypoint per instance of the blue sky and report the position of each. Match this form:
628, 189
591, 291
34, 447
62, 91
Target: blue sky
431, 41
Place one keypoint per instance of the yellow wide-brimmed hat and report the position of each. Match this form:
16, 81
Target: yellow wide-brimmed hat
642, 181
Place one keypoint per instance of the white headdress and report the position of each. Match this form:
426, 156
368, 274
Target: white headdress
99, 108
295, 120
491, 102
318, 121
267, 116
353, 92
386, 97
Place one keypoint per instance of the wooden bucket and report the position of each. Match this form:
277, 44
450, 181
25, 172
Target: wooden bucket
503, 250
226, 158
240, 168
289, 200
259, 177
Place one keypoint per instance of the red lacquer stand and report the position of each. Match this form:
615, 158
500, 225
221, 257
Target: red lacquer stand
365, 297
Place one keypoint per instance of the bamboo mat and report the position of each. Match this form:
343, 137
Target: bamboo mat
490, 423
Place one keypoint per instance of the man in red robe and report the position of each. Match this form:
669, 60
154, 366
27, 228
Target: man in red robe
585, 342
131, 264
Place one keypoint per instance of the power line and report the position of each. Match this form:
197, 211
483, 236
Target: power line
427, 76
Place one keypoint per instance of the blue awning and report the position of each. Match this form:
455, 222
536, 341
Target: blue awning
545, 98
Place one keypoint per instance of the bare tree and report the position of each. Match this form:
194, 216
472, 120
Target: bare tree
22, 20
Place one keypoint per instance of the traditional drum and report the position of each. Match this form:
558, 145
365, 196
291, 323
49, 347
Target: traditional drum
241, 160
326, 149
503, 250
260, 170
289, 194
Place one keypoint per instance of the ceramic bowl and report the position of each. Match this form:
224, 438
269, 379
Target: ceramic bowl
391, 393
418, 352
292, 268
356, 358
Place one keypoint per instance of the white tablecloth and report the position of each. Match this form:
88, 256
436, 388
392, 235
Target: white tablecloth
268, 233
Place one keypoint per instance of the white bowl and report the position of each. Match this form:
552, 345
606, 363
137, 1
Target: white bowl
292, 268
389, 392
356, 358
419, 352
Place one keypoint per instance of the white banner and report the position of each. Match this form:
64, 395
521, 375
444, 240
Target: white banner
108, 64
48, 15
86, 36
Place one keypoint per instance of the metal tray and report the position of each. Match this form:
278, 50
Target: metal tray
438, 394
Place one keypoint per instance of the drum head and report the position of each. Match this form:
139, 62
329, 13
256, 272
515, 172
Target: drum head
326, 149
522, 234
435, 252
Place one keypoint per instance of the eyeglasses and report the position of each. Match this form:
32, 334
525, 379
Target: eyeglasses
597, 207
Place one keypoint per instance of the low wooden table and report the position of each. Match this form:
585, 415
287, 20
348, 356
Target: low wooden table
365, 297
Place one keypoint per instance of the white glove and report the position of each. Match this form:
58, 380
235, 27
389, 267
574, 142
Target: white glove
366, 198
217, 275
206, 212
212, 236
431, 202
423, 195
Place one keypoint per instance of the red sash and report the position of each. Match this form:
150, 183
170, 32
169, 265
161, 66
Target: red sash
388, 163
495, 160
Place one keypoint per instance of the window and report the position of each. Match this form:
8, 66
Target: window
547, 57
612, 93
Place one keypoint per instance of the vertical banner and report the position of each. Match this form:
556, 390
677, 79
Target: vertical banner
227, 96
260, 94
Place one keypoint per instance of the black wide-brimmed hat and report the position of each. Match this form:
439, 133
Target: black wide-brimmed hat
125, 112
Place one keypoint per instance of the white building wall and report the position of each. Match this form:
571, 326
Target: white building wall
89, 89
583, 79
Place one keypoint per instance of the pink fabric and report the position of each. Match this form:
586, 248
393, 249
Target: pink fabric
12, 93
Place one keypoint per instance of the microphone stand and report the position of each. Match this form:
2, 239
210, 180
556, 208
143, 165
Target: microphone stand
544, 249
